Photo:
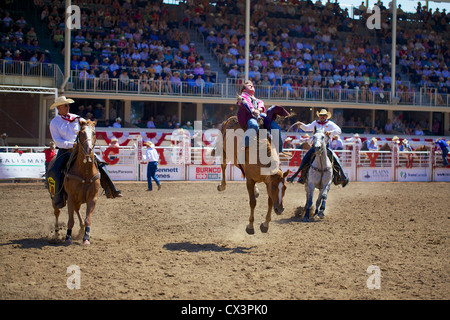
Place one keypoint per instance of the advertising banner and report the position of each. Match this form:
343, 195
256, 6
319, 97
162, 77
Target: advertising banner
22, 165
375, 174
442, 174
165, 173
203, 173
122, 172
419, 174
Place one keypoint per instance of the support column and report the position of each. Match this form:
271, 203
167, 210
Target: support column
127, 111
446, 123
199, 112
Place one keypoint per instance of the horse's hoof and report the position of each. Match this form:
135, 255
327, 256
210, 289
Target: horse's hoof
250, 231
219, 188
321, 215
68, 242
263, 228
86, 242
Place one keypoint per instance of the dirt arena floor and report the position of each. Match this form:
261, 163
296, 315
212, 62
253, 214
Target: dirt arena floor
188, 241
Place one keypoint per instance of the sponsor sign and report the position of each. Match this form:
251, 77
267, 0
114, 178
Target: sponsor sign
122, 172
213, 172
164, 173
442, 174
25, 165
374, 174
412, 175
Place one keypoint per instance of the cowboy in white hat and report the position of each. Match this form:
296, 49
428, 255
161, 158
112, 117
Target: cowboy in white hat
64, 128
405, 145
331, 129
152, 157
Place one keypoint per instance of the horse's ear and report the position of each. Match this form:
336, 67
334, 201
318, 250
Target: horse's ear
94, 122
285, 174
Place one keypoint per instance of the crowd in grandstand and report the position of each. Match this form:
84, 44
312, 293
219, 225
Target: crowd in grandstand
303, 49
294, 45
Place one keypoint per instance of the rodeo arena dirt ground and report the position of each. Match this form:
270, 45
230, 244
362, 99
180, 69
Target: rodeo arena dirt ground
188, 241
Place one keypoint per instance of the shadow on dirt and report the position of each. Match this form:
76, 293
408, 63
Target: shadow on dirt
197, 247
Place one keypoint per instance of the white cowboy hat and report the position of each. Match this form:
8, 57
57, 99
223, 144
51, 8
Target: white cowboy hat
405, 141
324, 112
61, 101
150, 144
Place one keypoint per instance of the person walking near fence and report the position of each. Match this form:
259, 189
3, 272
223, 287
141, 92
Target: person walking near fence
445, 148
152, 157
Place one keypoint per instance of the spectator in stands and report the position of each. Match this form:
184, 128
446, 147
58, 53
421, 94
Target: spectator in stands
151, 123
118, 123
418, 131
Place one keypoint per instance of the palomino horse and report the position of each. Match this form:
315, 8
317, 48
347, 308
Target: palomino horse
275, 181
320, 176
81, 182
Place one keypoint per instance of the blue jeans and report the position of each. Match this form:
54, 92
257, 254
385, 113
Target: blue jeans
444, 156
151, 174
252, 124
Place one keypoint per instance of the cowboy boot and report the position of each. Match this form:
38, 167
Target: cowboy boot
107, 184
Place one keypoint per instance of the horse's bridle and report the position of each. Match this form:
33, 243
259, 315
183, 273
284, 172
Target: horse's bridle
88, 157
319, 152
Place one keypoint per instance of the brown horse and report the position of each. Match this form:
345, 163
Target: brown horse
81, 182
253, 171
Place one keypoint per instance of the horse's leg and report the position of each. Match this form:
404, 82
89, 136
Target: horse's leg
223, 184
309, 199
326, 189
71, 222
251, 193
319, 202
90, 206
56, 212
265, 225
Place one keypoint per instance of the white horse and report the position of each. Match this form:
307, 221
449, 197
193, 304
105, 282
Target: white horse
320, 176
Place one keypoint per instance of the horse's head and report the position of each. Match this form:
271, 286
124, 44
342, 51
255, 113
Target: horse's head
276, 189
319, 140
86, 136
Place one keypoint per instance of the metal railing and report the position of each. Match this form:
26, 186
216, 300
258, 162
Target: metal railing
281, 93
26, 72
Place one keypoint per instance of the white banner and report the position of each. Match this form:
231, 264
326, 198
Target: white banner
26, 165
163, 173
213, 172
375, 174
404, 174
122, 172
442, 174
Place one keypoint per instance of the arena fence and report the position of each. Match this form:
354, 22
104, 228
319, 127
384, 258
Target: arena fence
183, 162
